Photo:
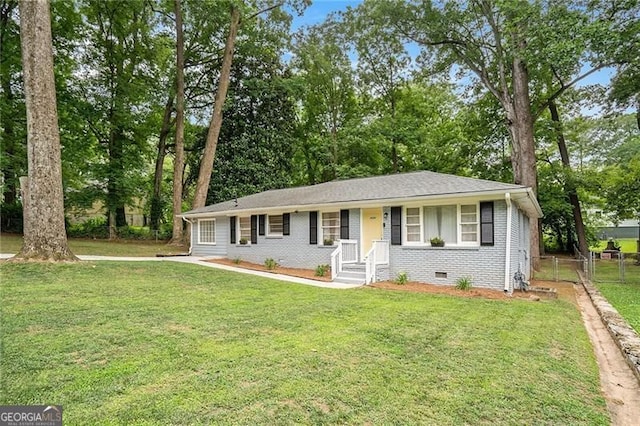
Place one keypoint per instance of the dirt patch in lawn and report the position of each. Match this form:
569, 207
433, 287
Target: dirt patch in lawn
293, 272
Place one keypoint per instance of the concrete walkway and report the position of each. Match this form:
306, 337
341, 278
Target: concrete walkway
202, 261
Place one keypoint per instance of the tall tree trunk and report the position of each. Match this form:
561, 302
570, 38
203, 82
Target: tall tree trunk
524, 162
208, 157
44, 232
569, 187
115, 205
156, 197
178, 164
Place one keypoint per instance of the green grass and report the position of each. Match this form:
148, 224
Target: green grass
11, 243
117, 343
624, 296
627, 245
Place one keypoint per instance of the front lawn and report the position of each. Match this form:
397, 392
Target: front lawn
166, 343
11, 243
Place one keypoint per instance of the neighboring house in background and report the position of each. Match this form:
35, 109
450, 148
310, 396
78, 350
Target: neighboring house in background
374, 228
625, 229
134, 213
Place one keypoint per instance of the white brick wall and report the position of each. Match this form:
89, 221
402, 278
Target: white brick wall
484, 265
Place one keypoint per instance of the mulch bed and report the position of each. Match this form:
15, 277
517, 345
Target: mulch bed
415, 287
293, 272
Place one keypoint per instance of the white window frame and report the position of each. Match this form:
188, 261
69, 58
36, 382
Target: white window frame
268, 225
476, 223
405, 236
424, 241
321, 226
239, 230
200, 240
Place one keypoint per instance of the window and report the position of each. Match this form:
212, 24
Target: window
244, 226
330, 226
207, 231
275, 225
441, 221
455, 224
413, 225
469, 223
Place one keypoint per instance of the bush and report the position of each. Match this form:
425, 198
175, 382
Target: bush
97, 228
11, 217
270, 264
236, 260
92, 228
401, 278
321, 270
464, 283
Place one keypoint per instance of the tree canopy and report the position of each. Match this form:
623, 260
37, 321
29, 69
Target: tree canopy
468, 88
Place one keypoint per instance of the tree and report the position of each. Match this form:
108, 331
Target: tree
489, 40
120, 75
209, 154
208, 157
256, 143
44, 232
383, 67
511, 49
12, 126
570, 186
328, 101
178, 162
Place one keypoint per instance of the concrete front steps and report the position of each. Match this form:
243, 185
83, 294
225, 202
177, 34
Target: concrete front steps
352, 273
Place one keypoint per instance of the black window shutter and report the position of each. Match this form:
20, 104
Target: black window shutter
261, 226
344, 224
313, 227
232, 229
286, 219
254, 229
396, 226
486, 223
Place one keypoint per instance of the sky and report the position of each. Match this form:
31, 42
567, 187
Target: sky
319, 9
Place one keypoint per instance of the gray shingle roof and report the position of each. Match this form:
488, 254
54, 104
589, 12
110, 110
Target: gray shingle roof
398, 186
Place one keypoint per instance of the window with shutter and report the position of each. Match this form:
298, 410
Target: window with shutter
232, 229
396, 226
344, 224
486, 224
313, 227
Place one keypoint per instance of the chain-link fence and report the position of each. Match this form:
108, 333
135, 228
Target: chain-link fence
612, 267
557, 268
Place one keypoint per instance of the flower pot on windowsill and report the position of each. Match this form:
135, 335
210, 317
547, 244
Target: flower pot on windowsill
437, 242
328, 242
243, 241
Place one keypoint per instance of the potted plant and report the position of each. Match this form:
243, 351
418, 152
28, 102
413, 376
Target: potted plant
328, 242
243, 241
437, 242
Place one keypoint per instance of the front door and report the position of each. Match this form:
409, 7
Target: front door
371, 228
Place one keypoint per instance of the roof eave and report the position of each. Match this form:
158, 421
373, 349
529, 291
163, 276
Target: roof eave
380, 201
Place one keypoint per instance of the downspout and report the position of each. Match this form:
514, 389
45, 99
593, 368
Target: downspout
507, 257
190, 234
